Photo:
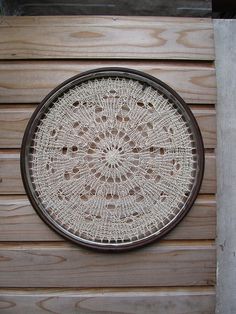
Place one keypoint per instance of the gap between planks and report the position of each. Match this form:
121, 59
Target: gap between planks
19, 107
68, 245
158, 244
133, 291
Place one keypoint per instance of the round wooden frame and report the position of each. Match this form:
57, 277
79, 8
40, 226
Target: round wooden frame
146, 80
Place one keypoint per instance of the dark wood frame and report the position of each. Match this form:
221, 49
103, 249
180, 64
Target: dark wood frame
146, 80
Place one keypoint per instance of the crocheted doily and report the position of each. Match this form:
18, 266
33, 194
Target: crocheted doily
112, 160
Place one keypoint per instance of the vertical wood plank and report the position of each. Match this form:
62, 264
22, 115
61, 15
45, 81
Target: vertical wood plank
225, 42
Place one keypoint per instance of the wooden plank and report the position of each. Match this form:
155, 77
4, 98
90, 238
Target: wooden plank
14, 118
31, 81
19, 221
200, 222
42, 21
209, 178
106, 37
206, 119
112, 300
226, 170
185, 263
11, 182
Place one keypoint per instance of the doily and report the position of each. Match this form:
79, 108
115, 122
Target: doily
112, 159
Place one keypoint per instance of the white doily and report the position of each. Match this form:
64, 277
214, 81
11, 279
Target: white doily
113, 161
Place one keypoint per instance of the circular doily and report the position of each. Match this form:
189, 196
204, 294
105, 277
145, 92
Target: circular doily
112, 158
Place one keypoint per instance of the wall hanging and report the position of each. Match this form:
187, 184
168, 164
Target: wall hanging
112, 159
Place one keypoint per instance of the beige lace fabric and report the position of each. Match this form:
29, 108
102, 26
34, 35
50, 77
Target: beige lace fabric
113, 161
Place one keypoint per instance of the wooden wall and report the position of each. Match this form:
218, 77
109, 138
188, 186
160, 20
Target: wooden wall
40, 271
225, 43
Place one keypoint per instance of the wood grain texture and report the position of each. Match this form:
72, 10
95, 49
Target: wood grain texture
19, 221
11, 182
31, 81
40, 271
106, 37
185, 263
14, 118
111, 301
97, 20
226, 170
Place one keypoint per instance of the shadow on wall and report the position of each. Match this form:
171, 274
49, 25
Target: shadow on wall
195, 8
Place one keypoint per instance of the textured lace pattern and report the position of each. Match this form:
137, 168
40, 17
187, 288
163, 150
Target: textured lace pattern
113, 161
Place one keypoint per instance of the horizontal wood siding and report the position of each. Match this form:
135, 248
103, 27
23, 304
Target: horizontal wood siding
112, 300
67, 265
31, 81
19, 222
14, 118
39, 270
11, 181
106, 37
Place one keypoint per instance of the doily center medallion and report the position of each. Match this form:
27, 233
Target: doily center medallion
112, 159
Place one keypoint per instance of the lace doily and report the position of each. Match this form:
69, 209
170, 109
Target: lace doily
112, 159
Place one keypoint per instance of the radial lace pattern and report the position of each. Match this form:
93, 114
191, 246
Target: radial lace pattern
113, 161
